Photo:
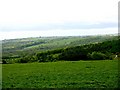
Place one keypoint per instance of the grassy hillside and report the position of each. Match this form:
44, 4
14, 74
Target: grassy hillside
80, 74
30, 46
95, 70
95, 51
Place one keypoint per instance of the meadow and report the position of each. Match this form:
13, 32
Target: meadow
61, 74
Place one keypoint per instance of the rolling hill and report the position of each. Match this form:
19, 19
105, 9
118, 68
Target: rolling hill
17, 48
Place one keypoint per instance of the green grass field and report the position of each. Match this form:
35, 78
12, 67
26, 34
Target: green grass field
0, 76
64, 74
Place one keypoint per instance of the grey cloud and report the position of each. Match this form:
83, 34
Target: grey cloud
65, 26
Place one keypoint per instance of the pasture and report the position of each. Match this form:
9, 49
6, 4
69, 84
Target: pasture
61, 74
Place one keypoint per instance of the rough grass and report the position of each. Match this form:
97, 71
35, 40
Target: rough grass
0, 76
65, 74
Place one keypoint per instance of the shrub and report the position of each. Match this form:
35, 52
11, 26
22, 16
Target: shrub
4, 62
97, 56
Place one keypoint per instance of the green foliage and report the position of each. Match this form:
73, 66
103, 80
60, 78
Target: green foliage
55, 57
102, 50
74, 53
4, 61
27, 59
65, 74
30, 46
98, 51
98, 56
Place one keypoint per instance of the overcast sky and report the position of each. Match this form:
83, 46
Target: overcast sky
32, 18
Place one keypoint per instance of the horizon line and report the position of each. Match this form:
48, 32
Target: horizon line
113, 34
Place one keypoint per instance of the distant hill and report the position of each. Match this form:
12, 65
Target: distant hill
16, 48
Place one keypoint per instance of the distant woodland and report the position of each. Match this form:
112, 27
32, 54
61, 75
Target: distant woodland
69, 48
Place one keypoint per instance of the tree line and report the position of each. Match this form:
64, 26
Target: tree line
96, 51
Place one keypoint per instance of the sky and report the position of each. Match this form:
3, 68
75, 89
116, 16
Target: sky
34, 18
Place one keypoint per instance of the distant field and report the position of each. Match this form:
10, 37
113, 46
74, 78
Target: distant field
16, 47
64, 74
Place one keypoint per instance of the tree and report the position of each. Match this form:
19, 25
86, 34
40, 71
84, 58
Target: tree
98, 56
4, 62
